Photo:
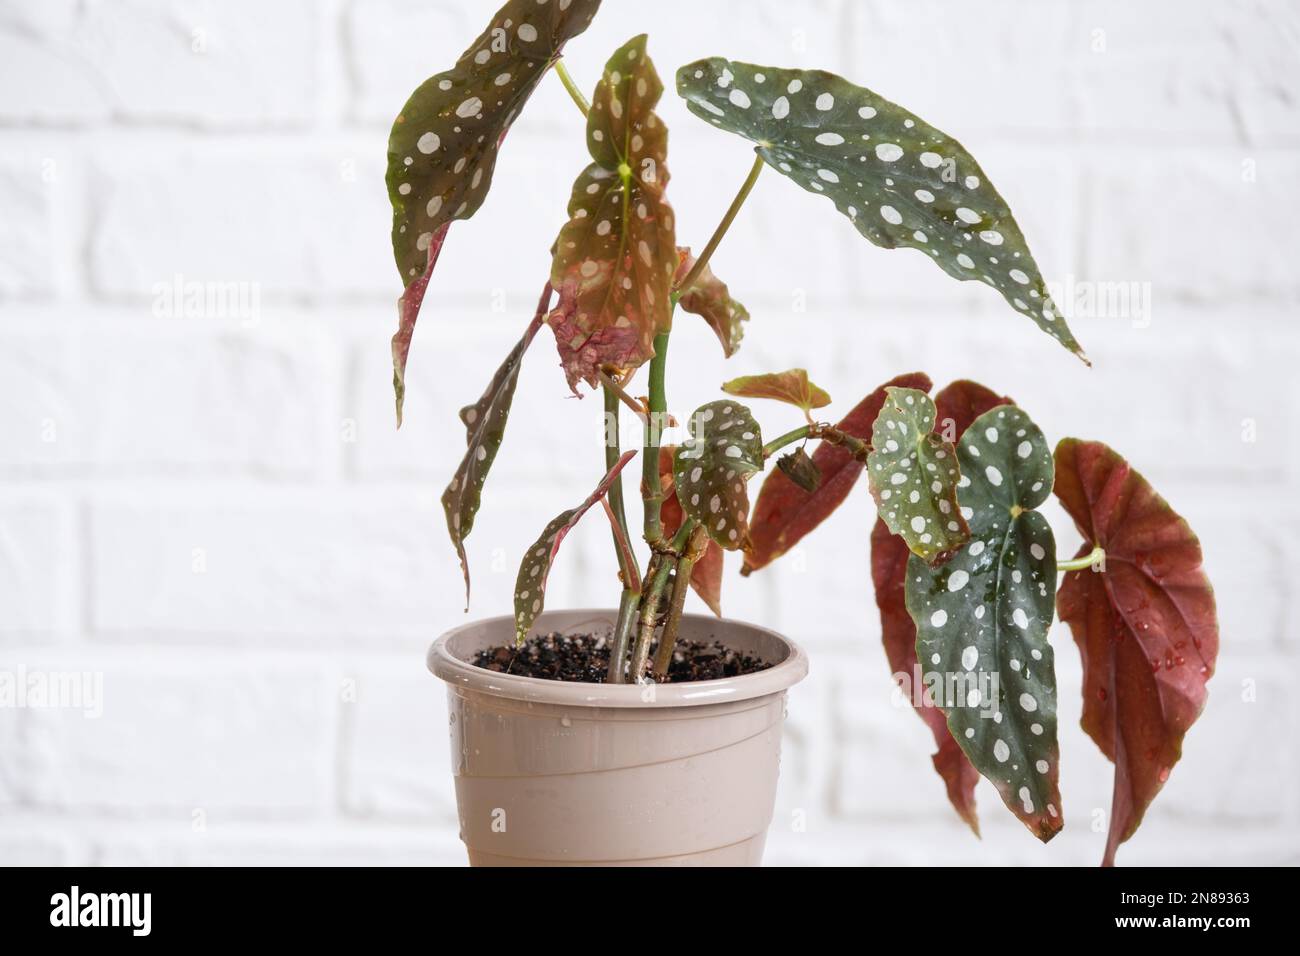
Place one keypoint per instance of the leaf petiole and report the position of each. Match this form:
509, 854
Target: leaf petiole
575, 94
689, 279
1095, 558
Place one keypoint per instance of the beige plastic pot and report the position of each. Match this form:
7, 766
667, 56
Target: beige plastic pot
566, 774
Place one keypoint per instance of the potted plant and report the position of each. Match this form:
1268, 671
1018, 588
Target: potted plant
642, 734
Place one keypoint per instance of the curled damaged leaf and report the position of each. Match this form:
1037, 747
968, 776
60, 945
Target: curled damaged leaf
784, 512
709, 298
706, 575
530, 585
485, 426
956, 406
982, 618
1146, 626
914, 475
711, 468
889, 558
615, 257
791, 386
443, 146
900, 181
799, 467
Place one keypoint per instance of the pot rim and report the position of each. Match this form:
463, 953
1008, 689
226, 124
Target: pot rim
462, 674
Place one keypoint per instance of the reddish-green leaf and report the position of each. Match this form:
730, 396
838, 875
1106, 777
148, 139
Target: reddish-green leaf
1146, 626
914, 475
443, 146
709, 298
530, 585
615, 258
706, 576
956, 406
784, 512
982, 618
485, 427
791, 387
710, 470
889, 556
900, 181
960, 403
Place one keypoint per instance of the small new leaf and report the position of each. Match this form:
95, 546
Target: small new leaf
711, 467
914, 474
616, 256
791, 387
443, 146
799, 467
530, 585
983, 618
900, 181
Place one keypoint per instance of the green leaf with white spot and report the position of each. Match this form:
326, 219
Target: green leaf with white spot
616, 256
485, 428
898, 179
443, 146
913, 474
530, 585
711, 467
982, 618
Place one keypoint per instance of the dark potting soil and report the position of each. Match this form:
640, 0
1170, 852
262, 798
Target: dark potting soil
585, 657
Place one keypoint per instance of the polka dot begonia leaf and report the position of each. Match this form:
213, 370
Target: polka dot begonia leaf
709, 298
1147, 627
791, 386
982, 618
485, 427
616, 256
956, 406
900, 181
443, 146
711, 467
530, 585
913, 474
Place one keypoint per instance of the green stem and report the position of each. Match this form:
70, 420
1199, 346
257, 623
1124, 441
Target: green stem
575, 94
627, 565
651, 489
1096, 556
628, 606
789, 438
695, 546
661, 567
723, 226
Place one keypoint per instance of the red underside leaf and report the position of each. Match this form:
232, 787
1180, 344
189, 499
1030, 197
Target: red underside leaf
408, 310
957, 406
889, 554
1146, 627
784, 512
709, 298
706, 577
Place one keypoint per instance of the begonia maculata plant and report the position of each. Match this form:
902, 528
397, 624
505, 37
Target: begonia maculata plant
964, 563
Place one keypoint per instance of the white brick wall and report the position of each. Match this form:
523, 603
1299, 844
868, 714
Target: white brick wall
215, 512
